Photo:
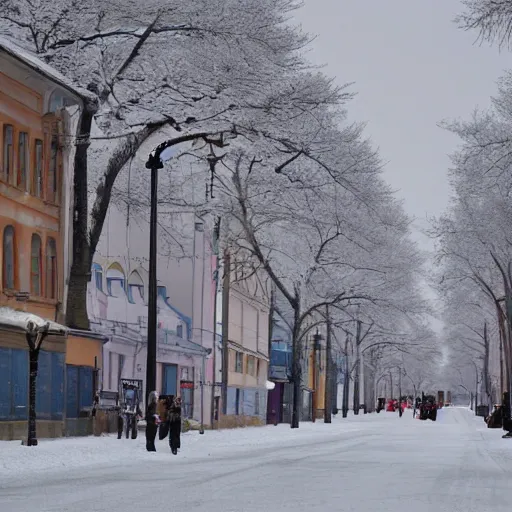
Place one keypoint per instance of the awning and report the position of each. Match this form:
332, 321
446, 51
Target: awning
20, 320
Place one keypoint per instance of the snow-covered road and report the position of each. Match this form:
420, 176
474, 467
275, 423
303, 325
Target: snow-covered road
366, 463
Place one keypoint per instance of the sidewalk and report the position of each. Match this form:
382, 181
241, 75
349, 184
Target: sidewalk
67, 453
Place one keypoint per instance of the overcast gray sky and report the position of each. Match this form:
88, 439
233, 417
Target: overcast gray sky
412, 68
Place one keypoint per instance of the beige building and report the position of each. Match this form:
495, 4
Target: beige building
248, 349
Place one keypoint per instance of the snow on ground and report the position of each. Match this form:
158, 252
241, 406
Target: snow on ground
363, 464
68, 453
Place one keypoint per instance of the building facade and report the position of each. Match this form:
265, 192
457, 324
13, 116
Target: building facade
248, 350
117, 307
38, 115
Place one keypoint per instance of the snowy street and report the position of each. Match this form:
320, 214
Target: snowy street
373, 462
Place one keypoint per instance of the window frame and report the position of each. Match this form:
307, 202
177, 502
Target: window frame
8, 154
4, 259
38, 174
35, 237
239, 362
251, 365
51, 275
23, 175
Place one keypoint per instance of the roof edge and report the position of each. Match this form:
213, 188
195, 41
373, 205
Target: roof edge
82, 94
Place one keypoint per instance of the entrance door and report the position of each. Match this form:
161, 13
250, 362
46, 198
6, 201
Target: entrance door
170, 379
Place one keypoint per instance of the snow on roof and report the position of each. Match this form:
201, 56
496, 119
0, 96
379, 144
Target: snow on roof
29, 59
20, 319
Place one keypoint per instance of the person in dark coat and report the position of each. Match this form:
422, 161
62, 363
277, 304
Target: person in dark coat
152, 421
175, 425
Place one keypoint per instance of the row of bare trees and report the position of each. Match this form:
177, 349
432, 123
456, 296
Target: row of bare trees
298, 188
474, 245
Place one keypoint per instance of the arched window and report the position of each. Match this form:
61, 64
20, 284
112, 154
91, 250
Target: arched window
115, 280
135, 288
35, 265
8, 258
51, 269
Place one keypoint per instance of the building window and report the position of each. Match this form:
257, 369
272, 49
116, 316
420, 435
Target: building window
136, 294
52, 171
179, 331
257, 403
239, 362
51, 269
250, 365
135, 290
37, 184
184, 373
257, 368
35, 265
98, 277
23, 160
8, 258
8, 153
115, 281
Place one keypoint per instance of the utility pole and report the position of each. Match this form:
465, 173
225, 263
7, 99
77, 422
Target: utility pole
346, 380
357, 373
328, 371
316, 350
226, 284
155, 164
216, 237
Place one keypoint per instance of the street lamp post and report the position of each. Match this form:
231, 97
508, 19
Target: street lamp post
155, 162
317, 339
206, 352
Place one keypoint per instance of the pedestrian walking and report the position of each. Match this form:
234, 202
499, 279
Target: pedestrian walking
175, 425
164, 404
152, 421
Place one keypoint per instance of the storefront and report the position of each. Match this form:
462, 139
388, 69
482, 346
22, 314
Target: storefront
84, 361
14, 378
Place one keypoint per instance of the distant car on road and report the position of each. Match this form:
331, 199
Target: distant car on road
428, 408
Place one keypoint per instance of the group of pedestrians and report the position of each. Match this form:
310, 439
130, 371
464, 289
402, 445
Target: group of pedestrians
163, 417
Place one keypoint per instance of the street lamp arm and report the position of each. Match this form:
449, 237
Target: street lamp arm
155, 157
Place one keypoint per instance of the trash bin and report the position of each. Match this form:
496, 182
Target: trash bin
482, 410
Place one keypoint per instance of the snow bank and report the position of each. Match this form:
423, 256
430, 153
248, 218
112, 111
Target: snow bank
21, 319
69, 453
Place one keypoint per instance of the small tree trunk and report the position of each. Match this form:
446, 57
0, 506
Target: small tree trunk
346, 384
328, 372
296, 371
357, 373
32, 434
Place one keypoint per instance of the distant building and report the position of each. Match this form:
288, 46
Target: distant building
247, 345
280, 373
117, 302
